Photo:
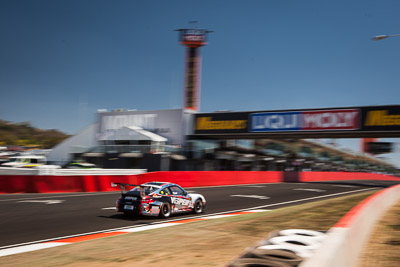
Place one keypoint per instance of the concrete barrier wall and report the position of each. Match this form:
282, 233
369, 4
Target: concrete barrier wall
96, 183
337, 176
54, 171
213, 178
345, 241
50, 184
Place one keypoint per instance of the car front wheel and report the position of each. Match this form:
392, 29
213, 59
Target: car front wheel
198, 206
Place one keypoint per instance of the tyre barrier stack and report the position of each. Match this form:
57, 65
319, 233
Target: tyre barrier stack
284, 248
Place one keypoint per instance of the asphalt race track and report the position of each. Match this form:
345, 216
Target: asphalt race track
26, 218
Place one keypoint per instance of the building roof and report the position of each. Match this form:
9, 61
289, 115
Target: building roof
134, 133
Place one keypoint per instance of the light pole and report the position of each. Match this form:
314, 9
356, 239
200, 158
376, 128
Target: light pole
381, 37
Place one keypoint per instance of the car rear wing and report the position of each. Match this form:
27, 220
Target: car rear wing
123, 185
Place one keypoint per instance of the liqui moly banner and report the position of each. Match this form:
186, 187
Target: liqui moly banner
314, 120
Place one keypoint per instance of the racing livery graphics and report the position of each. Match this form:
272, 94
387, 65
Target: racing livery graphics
158, 199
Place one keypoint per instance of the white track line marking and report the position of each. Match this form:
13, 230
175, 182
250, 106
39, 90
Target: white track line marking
17, 250
217, 216
109, 208
254, 186
149, 227
255, 211
251, 196
47, 202
310, 189
311, 198
344, 185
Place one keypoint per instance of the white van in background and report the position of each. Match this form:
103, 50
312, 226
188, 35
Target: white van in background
29, 161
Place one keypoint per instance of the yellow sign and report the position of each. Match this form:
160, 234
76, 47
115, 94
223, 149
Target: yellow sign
206, 123
381, 118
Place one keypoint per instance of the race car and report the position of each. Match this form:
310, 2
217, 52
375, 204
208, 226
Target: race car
158, 199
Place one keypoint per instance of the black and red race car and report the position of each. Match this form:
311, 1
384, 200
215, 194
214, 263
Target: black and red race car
158, 199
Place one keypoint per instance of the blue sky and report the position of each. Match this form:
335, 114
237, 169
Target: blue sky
62, 60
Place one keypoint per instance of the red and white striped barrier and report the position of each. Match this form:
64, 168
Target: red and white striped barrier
345, 240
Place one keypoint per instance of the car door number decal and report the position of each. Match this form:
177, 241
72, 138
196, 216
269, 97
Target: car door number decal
180, 201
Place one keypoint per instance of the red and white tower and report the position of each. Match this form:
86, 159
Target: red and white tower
193, 39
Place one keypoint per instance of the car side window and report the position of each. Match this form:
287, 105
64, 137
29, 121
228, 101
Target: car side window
165, 191
176, 191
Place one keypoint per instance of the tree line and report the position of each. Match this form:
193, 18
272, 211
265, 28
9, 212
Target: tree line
24, 134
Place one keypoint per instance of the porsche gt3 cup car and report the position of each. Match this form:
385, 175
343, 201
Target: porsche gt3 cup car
158, 199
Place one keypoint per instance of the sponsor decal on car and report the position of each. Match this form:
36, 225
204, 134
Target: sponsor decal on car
155, 210
180, 201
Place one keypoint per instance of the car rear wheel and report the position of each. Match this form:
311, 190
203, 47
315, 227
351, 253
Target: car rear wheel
198, 206
165, 210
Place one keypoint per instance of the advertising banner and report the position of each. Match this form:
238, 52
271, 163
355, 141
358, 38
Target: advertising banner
337, 119
316, 120
369, 121
217, 123
381, 118
274, 121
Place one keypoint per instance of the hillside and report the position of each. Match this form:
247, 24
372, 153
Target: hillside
24, 134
